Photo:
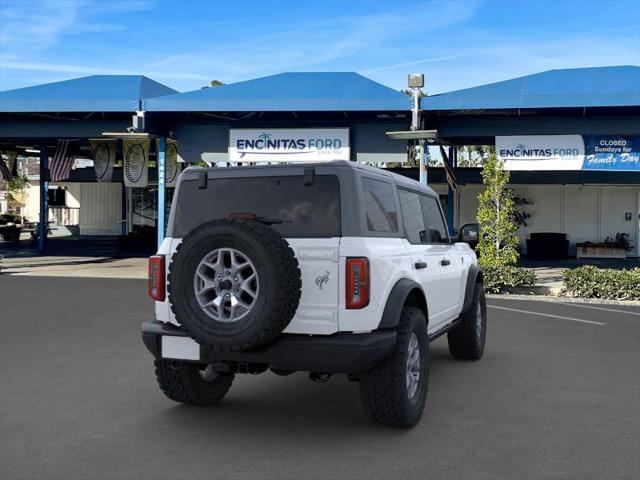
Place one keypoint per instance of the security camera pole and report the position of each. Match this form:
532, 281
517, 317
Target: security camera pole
416, 83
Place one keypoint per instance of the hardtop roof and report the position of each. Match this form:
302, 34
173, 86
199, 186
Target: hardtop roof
298, 169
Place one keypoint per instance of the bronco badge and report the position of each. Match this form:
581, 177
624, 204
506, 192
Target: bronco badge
322, 280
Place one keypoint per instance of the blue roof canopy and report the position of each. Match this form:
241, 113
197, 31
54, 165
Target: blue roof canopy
96, 93
298, 92
577, 87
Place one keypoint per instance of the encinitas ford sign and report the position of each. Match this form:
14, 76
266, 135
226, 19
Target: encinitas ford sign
569, 152
289, 145
541, 152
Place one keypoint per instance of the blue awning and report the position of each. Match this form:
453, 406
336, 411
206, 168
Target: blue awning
288, 92
96, 93
577, 87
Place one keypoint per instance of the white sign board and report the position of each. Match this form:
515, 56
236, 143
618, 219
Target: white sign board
541, 152
289, 145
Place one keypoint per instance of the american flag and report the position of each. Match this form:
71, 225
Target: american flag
4, 170
448, 170
62, 161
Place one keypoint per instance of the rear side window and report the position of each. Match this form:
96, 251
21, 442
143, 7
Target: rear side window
436, 228
412, 217
380, 206
292, 208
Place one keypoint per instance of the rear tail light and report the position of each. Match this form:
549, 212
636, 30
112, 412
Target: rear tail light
156, 277
358, 282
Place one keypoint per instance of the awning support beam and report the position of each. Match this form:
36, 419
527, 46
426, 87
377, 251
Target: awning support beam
451, 212
162, 187
44, 199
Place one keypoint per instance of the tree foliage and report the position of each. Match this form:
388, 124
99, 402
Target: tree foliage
15, 194
496, 211
474, 155
213, 83
589, 281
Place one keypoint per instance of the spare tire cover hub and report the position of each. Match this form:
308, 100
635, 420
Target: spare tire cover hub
226, 284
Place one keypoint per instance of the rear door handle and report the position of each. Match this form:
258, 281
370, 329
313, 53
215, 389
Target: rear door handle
419, 265
445, 262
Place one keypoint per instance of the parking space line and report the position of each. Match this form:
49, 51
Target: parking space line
628, 312
547, 315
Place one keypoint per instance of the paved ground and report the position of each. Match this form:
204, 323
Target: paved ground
554, 397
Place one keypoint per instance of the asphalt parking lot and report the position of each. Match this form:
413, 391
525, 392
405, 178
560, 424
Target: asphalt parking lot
557, 395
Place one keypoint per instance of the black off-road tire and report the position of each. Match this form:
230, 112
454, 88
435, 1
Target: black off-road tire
383, 389
466, 341
279, 288
182, 382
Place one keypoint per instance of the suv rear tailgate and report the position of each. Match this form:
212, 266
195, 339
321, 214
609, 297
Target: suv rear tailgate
318, 309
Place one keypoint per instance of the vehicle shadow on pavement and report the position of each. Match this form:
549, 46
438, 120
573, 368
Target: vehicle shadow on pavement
296, 405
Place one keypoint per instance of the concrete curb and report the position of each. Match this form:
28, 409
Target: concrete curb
555, 299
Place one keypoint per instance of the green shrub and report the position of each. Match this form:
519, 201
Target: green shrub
501, 277
592, 282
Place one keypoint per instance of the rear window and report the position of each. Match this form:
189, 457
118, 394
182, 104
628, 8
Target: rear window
296, 209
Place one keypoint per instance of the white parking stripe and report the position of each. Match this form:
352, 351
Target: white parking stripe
546, 315
628, 312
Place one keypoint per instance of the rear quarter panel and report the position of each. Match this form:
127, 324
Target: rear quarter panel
389, 261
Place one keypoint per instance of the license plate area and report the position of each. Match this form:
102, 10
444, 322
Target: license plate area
180, 348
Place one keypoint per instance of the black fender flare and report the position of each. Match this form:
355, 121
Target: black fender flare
397, 299
474, 276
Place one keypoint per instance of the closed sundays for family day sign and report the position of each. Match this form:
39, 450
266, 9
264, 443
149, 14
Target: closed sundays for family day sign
569, 152
289, 145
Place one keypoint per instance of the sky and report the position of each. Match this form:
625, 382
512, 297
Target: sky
185, 44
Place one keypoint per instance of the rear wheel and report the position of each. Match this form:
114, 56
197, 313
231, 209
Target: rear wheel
192, 383
466, 341
394, 392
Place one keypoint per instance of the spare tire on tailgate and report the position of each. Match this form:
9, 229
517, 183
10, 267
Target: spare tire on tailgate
234, 284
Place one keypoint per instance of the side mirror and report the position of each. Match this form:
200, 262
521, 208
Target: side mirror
469, 233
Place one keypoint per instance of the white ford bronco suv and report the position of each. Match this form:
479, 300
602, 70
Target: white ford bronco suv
326, 268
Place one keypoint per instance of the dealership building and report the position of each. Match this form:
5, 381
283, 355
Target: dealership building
571, 139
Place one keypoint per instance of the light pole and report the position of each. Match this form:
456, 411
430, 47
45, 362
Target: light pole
416, 83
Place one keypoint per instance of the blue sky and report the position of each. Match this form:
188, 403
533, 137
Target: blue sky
184, 44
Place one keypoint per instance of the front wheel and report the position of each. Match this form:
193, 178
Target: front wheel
192, 383
466, 341
394, 392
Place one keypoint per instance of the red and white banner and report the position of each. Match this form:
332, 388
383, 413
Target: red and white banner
63, 159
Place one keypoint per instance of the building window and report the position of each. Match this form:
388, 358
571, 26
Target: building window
57, 197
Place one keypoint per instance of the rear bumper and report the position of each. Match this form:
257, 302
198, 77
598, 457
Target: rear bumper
338, 353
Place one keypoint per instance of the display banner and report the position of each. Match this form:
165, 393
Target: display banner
541, 152
569, 152
610, 152
135, 154
104, 157
172, 163
289, 145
